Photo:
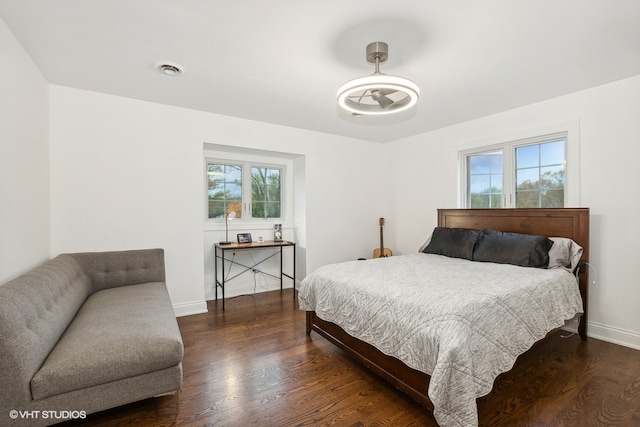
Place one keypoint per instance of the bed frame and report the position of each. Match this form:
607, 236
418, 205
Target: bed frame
556, 222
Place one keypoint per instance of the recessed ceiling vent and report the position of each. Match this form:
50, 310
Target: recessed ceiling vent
170, 68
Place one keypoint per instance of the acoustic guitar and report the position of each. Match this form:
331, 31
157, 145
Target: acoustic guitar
381, 252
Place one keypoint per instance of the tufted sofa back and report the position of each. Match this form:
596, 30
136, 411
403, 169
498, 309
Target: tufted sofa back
35, 310
122, 268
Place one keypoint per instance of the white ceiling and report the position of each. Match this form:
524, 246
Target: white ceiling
282, 61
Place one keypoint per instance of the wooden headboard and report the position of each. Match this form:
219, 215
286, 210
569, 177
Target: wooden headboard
554, 222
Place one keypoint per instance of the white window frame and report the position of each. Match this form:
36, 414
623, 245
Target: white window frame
247, 190
285, 165
568, 130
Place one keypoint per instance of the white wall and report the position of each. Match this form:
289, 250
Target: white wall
426, 171
24, 160
129, 174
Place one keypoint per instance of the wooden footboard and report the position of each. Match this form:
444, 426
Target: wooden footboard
412, 382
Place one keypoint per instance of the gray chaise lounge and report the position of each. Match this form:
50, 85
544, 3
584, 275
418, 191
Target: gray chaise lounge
86, 332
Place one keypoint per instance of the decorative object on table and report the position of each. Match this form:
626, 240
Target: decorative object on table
277, 232
244, 238
381, 252
227, 218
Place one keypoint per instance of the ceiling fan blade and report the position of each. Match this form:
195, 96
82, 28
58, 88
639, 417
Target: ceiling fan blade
378, 96
359, 96
386, 92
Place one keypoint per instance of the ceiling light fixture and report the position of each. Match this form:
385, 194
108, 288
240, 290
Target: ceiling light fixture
378, 93
170, 68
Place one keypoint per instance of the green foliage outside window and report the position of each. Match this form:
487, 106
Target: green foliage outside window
265, 193
225, 191
538, 176
547, 192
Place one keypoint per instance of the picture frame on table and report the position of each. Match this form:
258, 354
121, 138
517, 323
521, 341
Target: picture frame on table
244, 238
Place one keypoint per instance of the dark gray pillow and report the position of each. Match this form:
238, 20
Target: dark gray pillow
452, 242
526, 250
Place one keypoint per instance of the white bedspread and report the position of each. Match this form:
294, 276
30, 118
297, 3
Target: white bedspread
461, 322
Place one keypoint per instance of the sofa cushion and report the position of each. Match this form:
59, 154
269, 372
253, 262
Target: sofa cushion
117, 333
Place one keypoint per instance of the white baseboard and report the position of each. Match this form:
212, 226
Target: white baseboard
190, 308
614, 335
245, 289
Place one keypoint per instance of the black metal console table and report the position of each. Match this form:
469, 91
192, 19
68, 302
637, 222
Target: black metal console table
220, 251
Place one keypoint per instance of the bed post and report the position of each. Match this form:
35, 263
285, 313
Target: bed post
583, 284
310, 315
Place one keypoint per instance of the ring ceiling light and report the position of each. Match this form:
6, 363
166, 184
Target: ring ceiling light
378, 93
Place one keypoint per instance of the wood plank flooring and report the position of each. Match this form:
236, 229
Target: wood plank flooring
253, 364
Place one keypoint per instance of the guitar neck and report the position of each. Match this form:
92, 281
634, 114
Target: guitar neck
382, 252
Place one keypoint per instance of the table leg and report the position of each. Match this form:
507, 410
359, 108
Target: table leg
222, 278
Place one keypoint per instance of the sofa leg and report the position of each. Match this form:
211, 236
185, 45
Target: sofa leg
169, 393
168, 405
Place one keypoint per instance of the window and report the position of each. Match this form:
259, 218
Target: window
251, 191
540, 175
265, 192
522, 174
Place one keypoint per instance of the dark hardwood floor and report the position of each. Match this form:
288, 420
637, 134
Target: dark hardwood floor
254, 365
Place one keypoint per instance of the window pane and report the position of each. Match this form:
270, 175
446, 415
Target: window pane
265, 210
265, 192
527, 156
480, 201
233, 173
496, 200
527, 178
528, 199
552, 153
233, 190
224, 190
484, 183
479, 164
480, 184
553, 199
216, 208
552, 177
495, 162
273, 210
496, 183
539, 169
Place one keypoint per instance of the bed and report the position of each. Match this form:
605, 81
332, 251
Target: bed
402, 361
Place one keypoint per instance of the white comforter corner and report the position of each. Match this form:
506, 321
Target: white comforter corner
461, 322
